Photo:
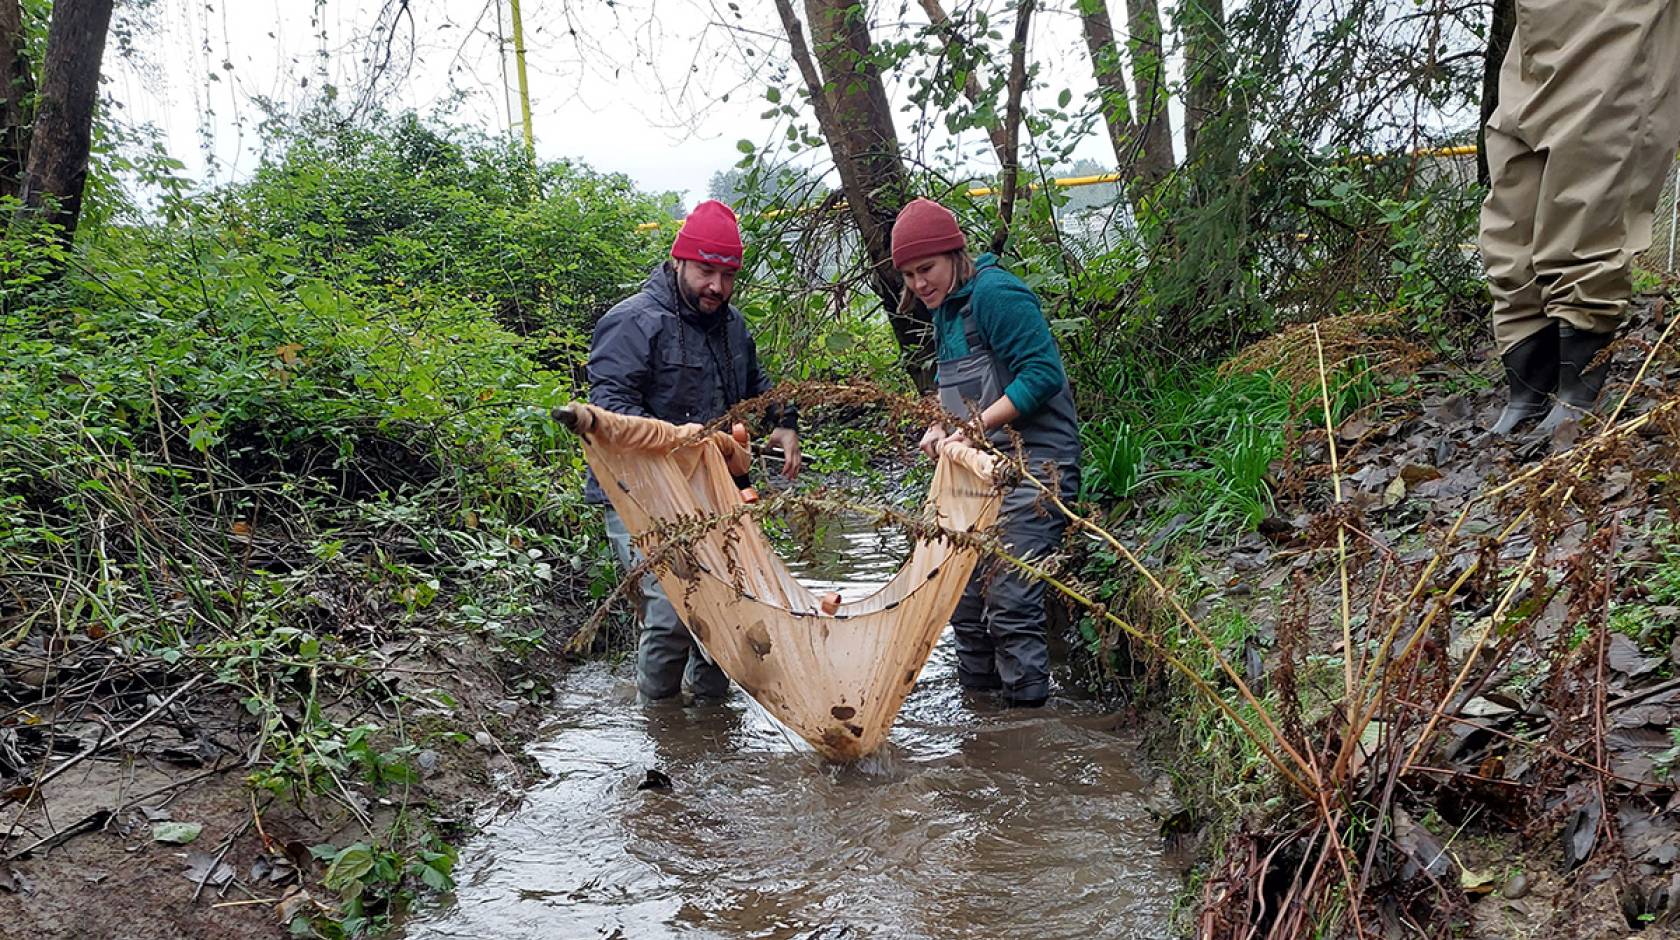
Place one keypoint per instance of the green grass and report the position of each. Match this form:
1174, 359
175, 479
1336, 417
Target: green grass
1188, 440
1185, 440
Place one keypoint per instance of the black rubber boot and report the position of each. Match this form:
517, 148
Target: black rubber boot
1578, 385
1531, 373
979, 682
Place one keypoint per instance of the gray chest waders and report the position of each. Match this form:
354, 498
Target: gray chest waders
967, 385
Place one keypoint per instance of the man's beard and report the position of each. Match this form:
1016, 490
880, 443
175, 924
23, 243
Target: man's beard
692, 300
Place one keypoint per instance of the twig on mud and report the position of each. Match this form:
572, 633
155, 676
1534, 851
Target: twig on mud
1606, 821
102, 743
210, 869
1633, 698
94, 820
174, 785
256, 820
1452, 774
1543, 748
245, 903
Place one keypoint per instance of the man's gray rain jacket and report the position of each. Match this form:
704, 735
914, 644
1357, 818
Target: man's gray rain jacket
655, 357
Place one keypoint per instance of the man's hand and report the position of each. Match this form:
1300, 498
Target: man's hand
931, 440
787, 441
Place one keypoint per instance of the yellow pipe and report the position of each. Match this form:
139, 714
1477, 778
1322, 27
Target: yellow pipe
1065, 182
524, 85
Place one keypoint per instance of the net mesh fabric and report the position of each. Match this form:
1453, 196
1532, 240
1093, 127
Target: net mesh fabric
837, 679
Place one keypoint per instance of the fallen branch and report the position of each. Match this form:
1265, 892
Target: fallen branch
94, 820
103, 743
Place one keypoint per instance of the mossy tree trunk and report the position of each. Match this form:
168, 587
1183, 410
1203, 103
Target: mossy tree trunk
56, 171
17, 89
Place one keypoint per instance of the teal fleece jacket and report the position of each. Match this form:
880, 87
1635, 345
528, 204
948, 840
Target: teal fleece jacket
1007, 312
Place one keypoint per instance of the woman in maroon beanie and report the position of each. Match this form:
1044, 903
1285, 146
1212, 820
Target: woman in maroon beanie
997, 360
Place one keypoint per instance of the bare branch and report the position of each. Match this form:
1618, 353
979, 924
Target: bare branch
1012, 123
971, 87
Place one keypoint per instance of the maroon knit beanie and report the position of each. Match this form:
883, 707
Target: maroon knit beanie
711, 235
924, 228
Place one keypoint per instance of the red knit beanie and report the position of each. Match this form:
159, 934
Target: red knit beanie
711, 235
924, 228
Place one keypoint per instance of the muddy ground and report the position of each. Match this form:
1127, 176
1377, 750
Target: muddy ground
93, 854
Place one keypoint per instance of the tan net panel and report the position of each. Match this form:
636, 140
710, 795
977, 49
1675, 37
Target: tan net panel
836, 679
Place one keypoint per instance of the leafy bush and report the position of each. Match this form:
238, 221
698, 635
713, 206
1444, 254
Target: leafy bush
402, 204
282, 424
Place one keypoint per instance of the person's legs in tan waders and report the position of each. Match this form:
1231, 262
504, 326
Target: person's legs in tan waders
1585, 133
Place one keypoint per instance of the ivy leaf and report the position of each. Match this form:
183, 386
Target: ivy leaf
436, 874
1063, 98
745, 146
349, 868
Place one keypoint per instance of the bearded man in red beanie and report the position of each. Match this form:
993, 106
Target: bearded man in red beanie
679, 352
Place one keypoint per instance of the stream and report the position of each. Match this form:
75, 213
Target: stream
974, 821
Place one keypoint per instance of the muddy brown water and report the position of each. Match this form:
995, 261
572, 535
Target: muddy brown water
973, 822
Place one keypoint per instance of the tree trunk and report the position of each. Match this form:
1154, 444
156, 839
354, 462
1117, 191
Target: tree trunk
1501, 28
1012, 124
1110, 74
856, 120
971, 88
63, 133
1206, 71
1149, 77
16, 88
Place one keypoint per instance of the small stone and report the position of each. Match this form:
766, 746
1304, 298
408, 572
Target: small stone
428, 761
1515, 887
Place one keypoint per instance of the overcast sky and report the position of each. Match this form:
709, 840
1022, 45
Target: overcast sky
612, 83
